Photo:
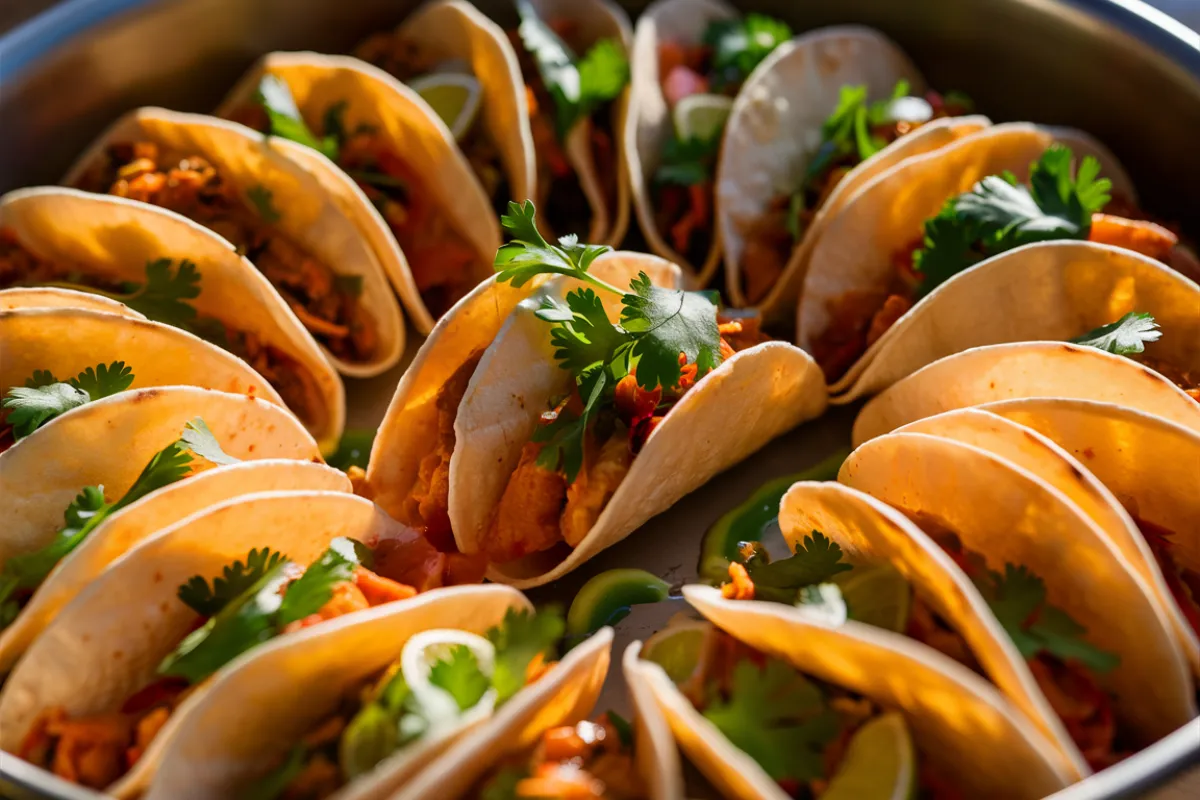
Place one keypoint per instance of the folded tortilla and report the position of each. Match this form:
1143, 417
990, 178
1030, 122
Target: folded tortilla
309, 211
114, 239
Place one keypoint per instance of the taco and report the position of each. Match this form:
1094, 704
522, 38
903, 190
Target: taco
815, 121
872, 263
172, 271
1054, 465
450, 43
690, 58
278, 562
574, 60
61, 506
770, 705
230, 180
1044, 369
382, 153
389, 693
536, 499
1050, 290
1042, 577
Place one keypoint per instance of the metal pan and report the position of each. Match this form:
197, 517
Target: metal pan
1116, 68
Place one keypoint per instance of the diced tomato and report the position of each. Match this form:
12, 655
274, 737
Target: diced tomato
379, 590
682, 82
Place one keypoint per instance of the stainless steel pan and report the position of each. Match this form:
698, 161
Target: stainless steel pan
1112, 67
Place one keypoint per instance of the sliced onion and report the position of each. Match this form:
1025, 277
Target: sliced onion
438, 706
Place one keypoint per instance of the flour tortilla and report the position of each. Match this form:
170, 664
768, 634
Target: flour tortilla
596, 20
1146, 462
1051, 290
23, 298
648, 126
856, 248
961, 725
128, 619
309, 211
774, 130
871, 532
130, 526
1008, 515
1025, 369
249, 720
656, 754
415, 131
775, 386
116, 238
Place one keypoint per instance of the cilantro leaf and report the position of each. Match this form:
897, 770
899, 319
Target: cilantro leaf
164, 295
529, 254
459, 674
519, 639
1126, 336
263, 200
285, 120
584, 337
578, 86
235, 579
43, 398
353, 450
562, 439
667, 322
314, 588
998, 214
1018, 599
739, 45
200, 440
816, 560
688, 162
777, 717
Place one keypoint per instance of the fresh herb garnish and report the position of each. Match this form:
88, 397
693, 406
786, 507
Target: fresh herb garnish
1125, 337
688, 162
847, 132
777, 717
578, 85
519, 639
263, 200
285, 120
353, 450
1018, 599
998, 214
164, 296
739, 45
235, 579
816, 560
261, 611
27, 570
459, 674
657, 327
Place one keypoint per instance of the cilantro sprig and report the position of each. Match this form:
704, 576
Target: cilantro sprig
847, 132
816, 560
999, 214
657, 326
285, 121
521, 637
1018, 599
268, 602
579, 86
44, 397
739, 45
688, 162
164, 296
777, 717
1125, 337
25, 572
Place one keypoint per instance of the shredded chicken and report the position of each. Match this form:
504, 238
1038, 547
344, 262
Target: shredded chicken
593, 488
527, 520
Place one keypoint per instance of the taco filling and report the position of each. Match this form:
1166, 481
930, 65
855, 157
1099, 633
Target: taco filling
995, 216
264, 596
403, 59
563, 91
443, 681
811, 725
1065, 665
327, 304
166, 296
28, 409
1182, 580
855, 131
698, 83
590, 760
444, 265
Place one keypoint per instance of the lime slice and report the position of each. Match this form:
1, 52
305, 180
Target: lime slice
676, 648
453, 96
701, 116
877, 595
880, 763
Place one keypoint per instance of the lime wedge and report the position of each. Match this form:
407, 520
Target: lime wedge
453, 96
676, 648
701, 116
877, 595
880, 763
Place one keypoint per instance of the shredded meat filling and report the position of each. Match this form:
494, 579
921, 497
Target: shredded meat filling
295, 384
1182, 581
328, 305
